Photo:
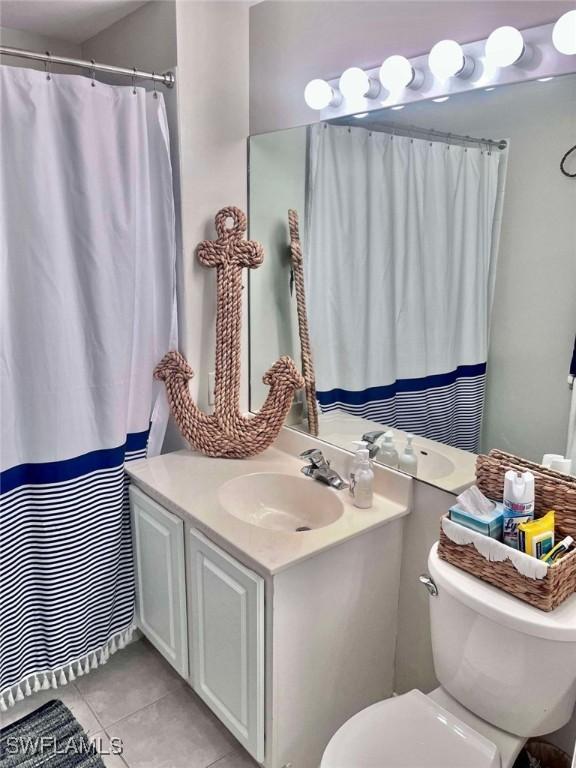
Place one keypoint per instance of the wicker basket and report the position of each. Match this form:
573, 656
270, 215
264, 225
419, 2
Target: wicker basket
552, 491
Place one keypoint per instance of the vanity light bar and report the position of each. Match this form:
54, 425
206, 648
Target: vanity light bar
507, 56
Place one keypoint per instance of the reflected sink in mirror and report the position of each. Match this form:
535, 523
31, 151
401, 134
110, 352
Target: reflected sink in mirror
441, 465
281, 502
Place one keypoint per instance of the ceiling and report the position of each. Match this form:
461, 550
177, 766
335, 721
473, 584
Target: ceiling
72, 20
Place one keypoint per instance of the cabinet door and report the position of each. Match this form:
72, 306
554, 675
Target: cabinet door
227, 636
160, 578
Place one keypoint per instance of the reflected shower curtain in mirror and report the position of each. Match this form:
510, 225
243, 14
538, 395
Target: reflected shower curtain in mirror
87, 303
402, 238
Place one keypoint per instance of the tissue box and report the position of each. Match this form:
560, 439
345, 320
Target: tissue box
489, 526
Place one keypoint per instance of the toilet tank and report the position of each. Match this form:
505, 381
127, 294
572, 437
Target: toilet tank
509, 663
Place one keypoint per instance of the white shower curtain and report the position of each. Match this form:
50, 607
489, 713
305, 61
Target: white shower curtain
87, 309
402, 238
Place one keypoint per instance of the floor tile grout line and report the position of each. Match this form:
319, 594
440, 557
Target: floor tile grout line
121, 755
211, 765
137, 711
92, 710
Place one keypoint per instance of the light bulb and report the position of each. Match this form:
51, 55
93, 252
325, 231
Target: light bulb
396, 73
354, 83
447, 59
319, 94
564, 33
504, 47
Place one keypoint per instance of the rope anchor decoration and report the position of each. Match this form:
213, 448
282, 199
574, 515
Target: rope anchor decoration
226, 432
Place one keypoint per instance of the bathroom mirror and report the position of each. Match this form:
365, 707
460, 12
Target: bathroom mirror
439, 247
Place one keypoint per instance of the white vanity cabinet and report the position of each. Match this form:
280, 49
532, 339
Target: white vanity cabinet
227, 634
158, 538
222, 632
282, 658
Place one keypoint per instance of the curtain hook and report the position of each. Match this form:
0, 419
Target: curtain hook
154, 95
47, 66
134, 80
93, 73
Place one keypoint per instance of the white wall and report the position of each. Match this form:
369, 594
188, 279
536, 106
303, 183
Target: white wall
292, 42
414, 663
145, 39
213, 120
17, 38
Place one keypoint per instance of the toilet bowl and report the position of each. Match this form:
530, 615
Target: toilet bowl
507, 671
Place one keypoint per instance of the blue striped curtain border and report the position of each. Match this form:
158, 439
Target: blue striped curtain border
68, 469
364, 396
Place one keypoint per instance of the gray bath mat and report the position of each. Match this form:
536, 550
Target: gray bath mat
50, 737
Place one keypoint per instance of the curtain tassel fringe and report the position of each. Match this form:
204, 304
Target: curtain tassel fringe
43, 681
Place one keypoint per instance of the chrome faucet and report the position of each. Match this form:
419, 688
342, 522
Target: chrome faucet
318, 468
371, 438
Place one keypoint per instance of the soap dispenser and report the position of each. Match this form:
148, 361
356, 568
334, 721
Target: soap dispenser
408, 461
388, 454
361, 445
363, 480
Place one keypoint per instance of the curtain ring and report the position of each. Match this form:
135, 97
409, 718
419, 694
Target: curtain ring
93, 73
47, 66
134, 80
154, 94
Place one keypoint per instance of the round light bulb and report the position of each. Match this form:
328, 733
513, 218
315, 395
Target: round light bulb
319, 94
396, 72
564, 33
354, 83
446, 59
504, 47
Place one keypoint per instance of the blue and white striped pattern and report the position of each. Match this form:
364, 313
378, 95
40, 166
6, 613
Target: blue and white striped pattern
66, 573
446, 407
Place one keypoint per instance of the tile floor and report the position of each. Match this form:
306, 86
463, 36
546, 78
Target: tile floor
138, 698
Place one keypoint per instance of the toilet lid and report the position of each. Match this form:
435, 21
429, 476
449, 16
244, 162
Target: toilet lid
408, 731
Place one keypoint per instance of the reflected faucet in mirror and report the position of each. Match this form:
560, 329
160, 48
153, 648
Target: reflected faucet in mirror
371, 438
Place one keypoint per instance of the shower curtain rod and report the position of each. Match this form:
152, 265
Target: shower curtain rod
413, 130
167, 78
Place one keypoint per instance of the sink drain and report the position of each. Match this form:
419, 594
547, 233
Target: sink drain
303, 528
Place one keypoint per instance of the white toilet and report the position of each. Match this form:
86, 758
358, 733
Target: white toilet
507, 671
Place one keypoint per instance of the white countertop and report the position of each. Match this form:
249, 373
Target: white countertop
188, 484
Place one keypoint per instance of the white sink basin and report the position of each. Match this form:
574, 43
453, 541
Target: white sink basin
281, 502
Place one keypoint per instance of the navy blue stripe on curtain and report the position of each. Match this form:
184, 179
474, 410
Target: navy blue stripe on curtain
66, 570
446, 407
58, 471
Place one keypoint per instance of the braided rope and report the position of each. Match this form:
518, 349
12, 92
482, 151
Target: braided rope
226, 432
305, 348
